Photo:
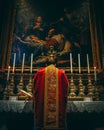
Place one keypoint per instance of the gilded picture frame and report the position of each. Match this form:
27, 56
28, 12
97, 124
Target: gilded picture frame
75, 21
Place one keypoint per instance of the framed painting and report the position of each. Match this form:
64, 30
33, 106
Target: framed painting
54, 27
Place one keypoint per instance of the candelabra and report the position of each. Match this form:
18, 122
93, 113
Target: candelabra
90, 87
21, 96
96, 91
72, 88
20, 86
81, 87
12, 85
7, 90
30, 85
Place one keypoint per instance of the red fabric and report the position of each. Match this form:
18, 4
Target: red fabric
52, 42
39, 83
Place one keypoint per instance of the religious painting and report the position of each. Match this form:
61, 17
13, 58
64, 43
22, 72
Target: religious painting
42, 28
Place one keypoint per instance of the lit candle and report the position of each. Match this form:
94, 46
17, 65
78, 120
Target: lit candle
8, 73
95, 76
14, 61
31, 62
88, 67
71, 66
79, 63
23, 60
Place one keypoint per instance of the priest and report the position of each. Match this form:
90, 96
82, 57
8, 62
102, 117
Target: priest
50, 96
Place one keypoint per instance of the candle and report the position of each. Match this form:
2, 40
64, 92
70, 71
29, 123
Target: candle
95, 76
14, 60
79, 63
71, 66
31, 62
88, 64
8, 73
23, 60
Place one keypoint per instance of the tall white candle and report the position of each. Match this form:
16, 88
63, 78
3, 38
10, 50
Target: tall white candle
88, 66
14, 61
95, 76
23, 60
71, 66
8, 74
31, 62
79, 63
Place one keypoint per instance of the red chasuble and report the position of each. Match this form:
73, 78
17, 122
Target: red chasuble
50, 92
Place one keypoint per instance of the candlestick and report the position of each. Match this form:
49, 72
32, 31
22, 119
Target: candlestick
8, 73
23, 60
95, 76
79, 63
71, 66
31, 62
14, 62
88, 64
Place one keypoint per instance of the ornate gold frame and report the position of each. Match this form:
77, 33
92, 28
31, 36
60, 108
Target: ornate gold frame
94, 40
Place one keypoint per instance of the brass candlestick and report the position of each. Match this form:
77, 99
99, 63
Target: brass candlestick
96, 90
90, 87
21, 96
30, 85
12, 85
20, 86
81, 87
72, 88
7, 90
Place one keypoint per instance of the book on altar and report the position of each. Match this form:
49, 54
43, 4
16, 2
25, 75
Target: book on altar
25, 93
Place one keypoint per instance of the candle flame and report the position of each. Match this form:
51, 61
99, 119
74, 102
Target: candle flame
94, 67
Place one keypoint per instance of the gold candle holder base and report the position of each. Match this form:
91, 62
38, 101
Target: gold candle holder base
12, 86
72, 88
6, 91
81, 87
20, 86
96, 92
30, 85
90, 87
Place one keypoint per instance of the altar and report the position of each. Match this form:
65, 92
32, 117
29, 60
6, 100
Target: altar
81, 115
79, 52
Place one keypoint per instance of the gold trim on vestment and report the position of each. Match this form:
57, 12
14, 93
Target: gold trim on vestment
51, 100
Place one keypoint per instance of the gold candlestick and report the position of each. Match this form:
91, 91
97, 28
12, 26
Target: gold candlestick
72, 88
81, 87
6, 91
20, 86
21, 96
96, 92
90, 87
30, 85
12, 85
